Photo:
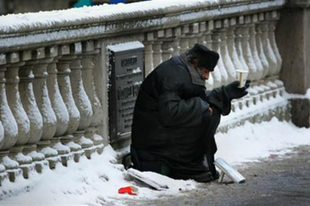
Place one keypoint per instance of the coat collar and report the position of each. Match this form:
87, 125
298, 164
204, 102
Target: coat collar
196, 78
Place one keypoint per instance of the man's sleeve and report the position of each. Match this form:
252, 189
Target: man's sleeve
175, 111
218, 98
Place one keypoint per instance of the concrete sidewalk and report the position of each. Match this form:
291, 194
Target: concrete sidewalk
275, 181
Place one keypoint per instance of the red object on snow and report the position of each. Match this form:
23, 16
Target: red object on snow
130, 190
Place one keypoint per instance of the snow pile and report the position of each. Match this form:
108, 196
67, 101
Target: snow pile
254, 141
74, 16
89, 182
96, 181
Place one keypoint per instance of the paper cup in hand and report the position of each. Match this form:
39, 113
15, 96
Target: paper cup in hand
242, 76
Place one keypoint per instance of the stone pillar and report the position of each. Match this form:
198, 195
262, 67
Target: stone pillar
216, 40
3, 174
63, 77
184, 39
167, 47
35, 118
157, 53
239, 44
176, 41
273, 18
82, 101
59, 107
292, 35
39, 64
148, 52
260, 47
243, 25
193, 34
254, 48
8, 130
269, 53
232, 47
230, 68
202, 31
22, 120
88, 65
215, 77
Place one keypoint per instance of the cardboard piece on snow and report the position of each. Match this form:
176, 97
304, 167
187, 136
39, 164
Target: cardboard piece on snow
136, 174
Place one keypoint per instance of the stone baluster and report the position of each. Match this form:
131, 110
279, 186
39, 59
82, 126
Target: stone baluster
230, 68
202, 39
157, 50
176, 41
254, 48
270, 56
260, 46
245, 42
35, 118
88, 65
216, 40
273, 18
167, 46
148, 51
239, 43
232, 46
22, 120
8, 129
3, 174
215, 77
59, 107
63, 77
193, 34
81, 100
202, 31
184, 39
39, 64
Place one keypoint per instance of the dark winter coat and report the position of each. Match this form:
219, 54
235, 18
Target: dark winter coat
169, 108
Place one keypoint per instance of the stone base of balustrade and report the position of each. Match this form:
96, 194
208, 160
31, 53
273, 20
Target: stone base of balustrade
51, 155
65, 158
14, 174
89, 151
77, 155
99, 148
27, 169
75, 149
52, 161
278, 108
86, 144
63, 151
91, 133
39, 161
11, 166
24, 161
40, 166
3, 174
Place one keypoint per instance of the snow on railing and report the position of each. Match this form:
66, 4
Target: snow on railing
54, 69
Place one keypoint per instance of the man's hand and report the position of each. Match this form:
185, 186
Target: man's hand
234, 92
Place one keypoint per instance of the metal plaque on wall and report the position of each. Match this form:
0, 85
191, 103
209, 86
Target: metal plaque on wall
126, 73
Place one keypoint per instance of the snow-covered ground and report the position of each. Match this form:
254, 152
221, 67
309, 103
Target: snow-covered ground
96, 181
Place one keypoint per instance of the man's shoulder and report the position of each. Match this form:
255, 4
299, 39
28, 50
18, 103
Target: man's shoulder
172, 65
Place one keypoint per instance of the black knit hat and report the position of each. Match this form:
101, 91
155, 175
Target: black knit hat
206, 57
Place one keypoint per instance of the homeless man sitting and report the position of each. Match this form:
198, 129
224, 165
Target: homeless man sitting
175, 118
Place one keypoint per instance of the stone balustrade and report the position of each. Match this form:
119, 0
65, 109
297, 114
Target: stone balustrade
54, 73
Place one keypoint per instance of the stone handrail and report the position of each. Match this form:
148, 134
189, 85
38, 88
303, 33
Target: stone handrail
54, 69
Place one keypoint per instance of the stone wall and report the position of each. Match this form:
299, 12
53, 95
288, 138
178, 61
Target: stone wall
294, 45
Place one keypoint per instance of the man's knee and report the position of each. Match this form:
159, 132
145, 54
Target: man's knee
144, 161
